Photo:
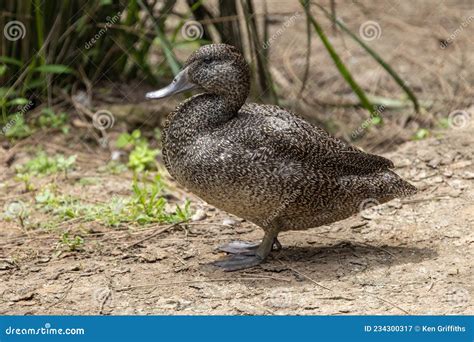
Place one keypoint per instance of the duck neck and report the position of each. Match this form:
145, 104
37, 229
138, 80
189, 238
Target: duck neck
206, 111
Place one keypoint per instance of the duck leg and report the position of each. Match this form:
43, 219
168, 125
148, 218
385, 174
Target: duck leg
247, 248
245, 255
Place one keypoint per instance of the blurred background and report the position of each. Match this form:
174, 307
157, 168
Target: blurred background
407, 65
83, 187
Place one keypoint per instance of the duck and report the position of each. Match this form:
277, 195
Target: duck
261, 162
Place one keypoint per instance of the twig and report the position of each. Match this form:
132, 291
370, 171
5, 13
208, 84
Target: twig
155, 233
200, 281
305, 276
103, 301
388, 302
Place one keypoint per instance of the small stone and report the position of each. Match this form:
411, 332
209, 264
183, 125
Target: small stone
150, 258
229, 222
448, 174
467, 175
433, 163
457, 184
426, 155
396, 203
115, 155
199, 215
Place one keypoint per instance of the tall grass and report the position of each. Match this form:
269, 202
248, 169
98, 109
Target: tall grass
80, 42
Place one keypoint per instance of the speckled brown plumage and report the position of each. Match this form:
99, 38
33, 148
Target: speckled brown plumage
262, 162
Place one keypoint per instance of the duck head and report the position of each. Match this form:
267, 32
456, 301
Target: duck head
217, 69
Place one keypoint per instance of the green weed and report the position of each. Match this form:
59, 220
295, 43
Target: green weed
71, 243
43, 164
146, 205
142, 157
421, 134
49, 119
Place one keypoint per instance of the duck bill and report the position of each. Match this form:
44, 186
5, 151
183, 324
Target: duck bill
180, 83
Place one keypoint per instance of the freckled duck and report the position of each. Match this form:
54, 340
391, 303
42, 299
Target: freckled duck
261, 162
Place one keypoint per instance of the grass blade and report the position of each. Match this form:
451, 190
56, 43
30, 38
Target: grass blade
377, 57
165, 44
338, 62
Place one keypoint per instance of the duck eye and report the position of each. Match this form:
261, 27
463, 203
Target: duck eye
207, 60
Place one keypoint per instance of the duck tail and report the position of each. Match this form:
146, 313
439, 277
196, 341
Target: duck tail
382, 186
390, 185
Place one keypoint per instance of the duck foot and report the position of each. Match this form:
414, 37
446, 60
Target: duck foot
246, 248
236, 262
245, 255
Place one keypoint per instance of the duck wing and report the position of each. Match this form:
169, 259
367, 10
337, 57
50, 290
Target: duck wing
293, 138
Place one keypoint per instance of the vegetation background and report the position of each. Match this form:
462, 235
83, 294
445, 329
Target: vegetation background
90, 221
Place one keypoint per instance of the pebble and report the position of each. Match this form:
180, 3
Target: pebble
448, 174
229, 222
457, 184
199, 215
434, 163
467, 175
115, 155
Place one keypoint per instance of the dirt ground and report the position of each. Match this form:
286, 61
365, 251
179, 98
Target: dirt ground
407, 256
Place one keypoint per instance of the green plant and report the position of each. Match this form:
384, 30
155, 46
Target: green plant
49, 119
142, 157
129, 139
113, 167
26, 179
371, 52
444, 123
421, 134
146, 205
43, 164
17, 128
71, 243
61, 206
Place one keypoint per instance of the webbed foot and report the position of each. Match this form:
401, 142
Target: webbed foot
245, 248
235, 262
245, 255
239, 247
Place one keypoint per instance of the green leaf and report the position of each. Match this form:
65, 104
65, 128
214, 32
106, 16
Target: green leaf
3, 69
421, 134
10, 60
20, 101
54, 69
